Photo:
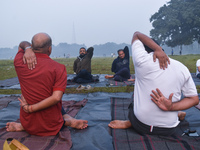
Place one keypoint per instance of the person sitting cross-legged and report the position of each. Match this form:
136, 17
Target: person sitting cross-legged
157, 106
120, 66
42, 87
82, 66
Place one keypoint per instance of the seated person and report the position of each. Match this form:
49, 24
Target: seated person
82, 66
120, 66
42, 88
198, 69
155, 112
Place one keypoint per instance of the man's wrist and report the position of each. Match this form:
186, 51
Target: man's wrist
171, 107
27, 48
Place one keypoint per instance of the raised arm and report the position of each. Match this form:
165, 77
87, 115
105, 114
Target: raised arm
126, 51
29, 56
158, 52
90, 51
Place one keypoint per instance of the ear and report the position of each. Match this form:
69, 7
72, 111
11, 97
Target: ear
50, 49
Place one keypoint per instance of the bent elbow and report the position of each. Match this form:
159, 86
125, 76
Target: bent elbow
136, 33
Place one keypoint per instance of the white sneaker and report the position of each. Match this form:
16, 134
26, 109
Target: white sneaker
88, 87
80, 87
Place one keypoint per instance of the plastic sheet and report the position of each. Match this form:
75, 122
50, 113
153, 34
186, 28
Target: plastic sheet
98, 113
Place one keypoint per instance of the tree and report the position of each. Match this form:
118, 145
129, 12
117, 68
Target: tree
177, 23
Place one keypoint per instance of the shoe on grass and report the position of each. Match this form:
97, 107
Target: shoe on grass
88, 87
80, 87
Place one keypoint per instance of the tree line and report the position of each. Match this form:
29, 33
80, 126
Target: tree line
177, 23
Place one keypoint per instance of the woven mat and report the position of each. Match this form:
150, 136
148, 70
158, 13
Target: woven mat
128, 139
62, 141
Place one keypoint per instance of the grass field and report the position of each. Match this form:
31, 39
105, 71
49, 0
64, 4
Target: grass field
99, 66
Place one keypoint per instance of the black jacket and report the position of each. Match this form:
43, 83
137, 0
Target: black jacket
119, 63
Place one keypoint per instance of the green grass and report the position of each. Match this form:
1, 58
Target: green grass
125, 89
188, 60
99, 66
7, 69
9, 91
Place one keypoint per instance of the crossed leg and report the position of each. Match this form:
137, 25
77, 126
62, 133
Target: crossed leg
109, 76
69, 121
75, 123
120, 124
14, 126
124, 124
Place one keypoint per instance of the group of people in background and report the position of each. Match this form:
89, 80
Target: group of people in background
159, 83
120, 66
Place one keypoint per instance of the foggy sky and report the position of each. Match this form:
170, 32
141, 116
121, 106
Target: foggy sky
86, 22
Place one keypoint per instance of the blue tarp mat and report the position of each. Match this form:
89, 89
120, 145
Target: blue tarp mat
13, 83
98, 113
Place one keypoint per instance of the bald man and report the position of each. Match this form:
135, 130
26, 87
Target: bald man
42, 87
157, 93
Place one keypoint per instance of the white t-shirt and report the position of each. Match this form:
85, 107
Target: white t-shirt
197, 65
175, 79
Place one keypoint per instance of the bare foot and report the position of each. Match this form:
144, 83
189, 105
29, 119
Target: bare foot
79, 124
14, 127
131, 80
75, 123
120, 124
109, 76
181, 115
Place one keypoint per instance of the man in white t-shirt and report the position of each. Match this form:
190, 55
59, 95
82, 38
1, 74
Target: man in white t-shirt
155, 112
198, 68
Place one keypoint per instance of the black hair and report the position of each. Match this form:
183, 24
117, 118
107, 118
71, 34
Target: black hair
120, 50
82, 48
148, 49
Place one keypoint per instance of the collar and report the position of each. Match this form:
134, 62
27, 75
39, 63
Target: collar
41, 55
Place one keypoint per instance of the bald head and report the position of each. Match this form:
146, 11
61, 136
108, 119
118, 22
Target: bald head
41, 42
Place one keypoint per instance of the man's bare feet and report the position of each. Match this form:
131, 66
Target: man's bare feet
120, 124
14, 127
109, 76
181, 115
75, 123
131, 80
79, 124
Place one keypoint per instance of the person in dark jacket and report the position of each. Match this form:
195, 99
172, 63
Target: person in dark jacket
120, 66
82, 66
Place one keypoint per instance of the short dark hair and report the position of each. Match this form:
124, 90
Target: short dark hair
148, 49
82, 48
120, 50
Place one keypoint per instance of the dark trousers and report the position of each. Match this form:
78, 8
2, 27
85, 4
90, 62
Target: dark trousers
83, 77
63, 111
146, 129
122, 75
198, 75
